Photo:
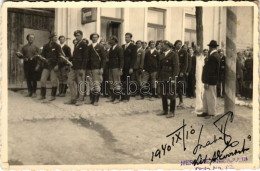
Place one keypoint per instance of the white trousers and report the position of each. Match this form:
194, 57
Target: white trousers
210, 100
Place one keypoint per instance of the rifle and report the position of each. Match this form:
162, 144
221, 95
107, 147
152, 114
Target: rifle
41, 58
66, 60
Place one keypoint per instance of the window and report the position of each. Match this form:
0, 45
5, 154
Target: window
156, 23
190, 29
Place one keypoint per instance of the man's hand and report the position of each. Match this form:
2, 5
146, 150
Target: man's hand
130, 70
181, 74
56, 68
120, 71
37, 67
101, 71
206, 86
81, 72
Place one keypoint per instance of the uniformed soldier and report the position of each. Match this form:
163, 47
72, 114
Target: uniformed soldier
183, 62
63, 67
130, 53
138, 65
51, 51
96, 63
76, 77
30, 62
116, 64
151, 65
168, 70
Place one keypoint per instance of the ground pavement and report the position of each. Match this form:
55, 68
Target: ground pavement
124, 133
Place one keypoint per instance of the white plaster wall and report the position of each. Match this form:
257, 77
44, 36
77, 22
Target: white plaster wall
136, 23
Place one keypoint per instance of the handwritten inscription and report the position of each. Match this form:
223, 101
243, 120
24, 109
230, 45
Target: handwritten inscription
224, 140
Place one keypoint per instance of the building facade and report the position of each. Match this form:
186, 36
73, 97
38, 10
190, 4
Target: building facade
145, 23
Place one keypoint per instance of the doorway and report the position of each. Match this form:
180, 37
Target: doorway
109, 28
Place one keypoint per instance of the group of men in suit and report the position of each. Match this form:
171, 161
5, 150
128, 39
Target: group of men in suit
162, 64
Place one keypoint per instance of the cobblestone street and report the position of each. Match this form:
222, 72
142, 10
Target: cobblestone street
124, 133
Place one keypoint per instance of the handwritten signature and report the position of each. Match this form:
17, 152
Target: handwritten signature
182, 134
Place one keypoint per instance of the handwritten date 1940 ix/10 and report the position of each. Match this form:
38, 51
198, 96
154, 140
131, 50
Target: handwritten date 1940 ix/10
181, 135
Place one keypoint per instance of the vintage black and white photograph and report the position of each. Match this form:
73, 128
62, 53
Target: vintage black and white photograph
152, 84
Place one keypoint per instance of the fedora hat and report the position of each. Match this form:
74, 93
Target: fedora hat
213, 43
52, 35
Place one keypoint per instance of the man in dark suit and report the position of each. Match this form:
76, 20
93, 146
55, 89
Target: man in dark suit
63, 67
115, 65
150, 69
51, 52
191, 80
183, 65
76, 75
130, 53
168, 70
97, 63
138, 65
221, 81
210, 76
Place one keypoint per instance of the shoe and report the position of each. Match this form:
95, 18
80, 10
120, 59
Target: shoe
88, 101
62, 95
52, 98
170, 115
209, 116
139, 98
79, 103
28, 95
151, 99
34, 95
70, 102
116, 101
95, 103
162, 113
203, 115
125, 101
42, 98
180, 105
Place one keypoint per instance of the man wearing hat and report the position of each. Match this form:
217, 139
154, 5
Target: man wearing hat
115, 65
96, 65
210, 76
168, 70
63, 67
130, 53
151, 65
51, 51
77, 73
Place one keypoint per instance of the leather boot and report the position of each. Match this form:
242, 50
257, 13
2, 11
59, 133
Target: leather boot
60, 89
43, 93
53, 93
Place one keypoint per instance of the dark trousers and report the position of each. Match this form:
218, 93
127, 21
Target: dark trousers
181, 84
125, 95
105, 86
221, 86
166, 94
191, 82
30, 75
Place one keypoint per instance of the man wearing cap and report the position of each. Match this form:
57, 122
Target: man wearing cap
51, 51
210, 76
115, 65
183, 62
168, 70
130, 53
63, 67
138, 65
30, 62
151, 65
96, 65
76, 75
